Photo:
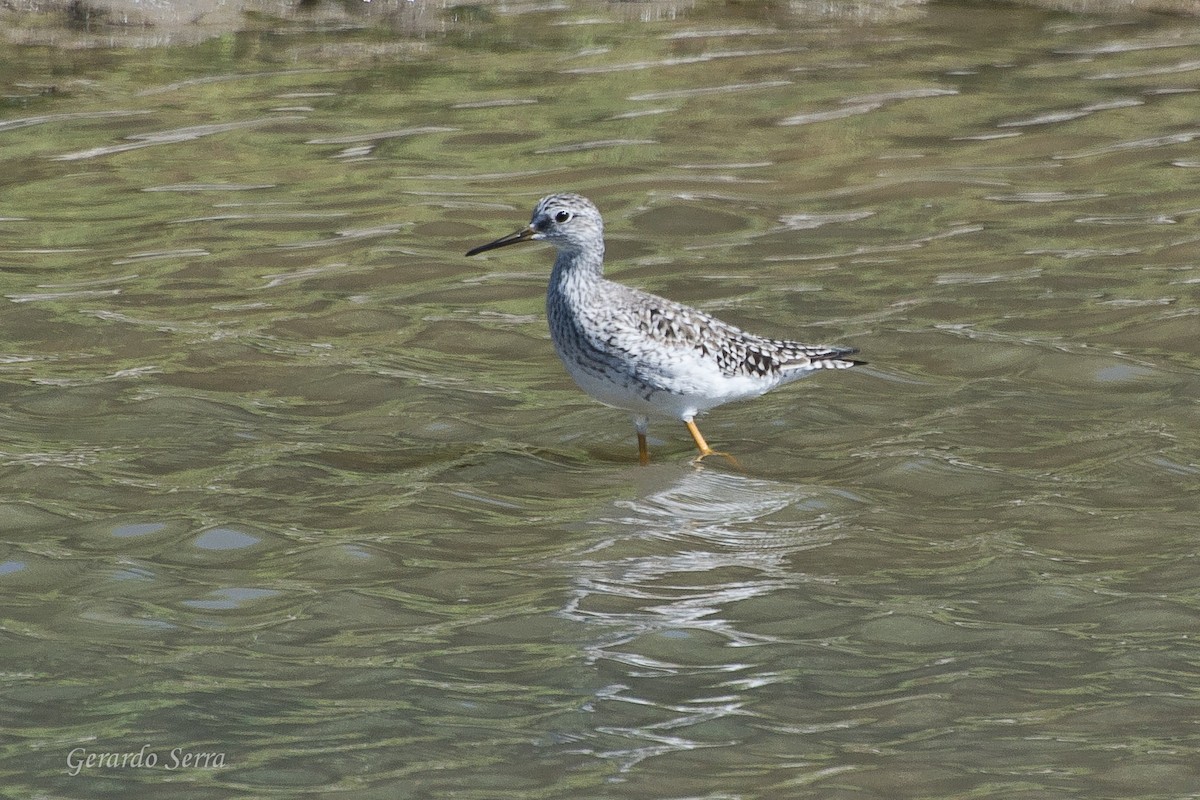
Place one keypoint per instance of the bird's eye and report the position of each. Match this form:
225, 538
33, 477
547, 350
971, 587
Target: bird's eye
562, 216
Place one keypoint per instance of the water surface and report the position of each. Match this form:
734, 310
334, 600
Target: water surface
290, 480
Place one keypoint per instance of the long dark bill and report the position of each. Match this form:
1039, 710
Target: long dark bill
522, 235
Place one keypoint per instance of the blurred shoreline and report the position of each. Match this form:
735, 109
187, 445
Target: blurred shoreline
159, 23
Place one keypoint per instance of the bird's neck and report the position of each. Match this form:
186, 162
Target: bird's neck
576, 269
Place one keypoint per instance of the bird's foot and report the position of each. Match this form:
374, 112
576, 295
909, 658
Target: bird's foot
710, 452
705, 450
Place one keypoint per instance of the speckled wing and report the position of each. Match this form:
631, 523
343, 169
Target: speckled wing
679, 331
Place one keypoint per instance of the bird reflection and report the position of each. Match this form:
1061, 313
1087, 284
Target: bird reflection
666, 594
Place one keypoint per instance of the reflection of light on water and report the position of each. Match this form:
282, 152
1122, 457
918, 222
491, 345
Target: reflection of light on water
705, 512
679, 559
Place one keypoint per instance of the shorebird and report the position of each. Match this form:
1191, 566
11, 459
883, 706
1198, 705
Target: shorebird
646, 354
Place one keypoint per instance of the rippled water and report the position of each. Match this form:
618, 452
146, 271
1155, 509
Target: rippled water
291, 481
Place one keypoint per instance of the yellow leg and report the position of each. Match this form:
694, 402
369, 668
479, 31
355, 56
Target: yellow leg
705, 450
643, 450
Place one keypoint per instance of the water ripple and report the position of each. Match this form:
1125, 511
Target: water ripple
598, 144
635, 66
1048, 117
827, 116
1147, 143
209, 187
1052, 196
24, 122
1110, 48
719, 32
727, 88
378, 136
350, 234
864, 104
502, 102
1169, 69
175, 136
806, 221
38, 297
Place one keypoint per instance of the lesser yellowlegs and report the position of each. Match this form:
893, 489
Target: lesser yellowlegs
648, 355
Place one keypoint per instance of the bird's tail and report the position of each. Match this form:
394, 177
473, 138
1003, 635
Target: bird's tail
837, 359
832, 358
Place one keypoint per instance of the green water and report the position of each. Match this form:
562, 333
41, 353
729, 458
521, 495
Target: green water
290, 481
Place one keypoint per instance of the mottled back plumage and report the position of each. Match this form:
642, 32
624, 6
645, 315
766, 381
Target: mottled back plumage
644, 353
736, 352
